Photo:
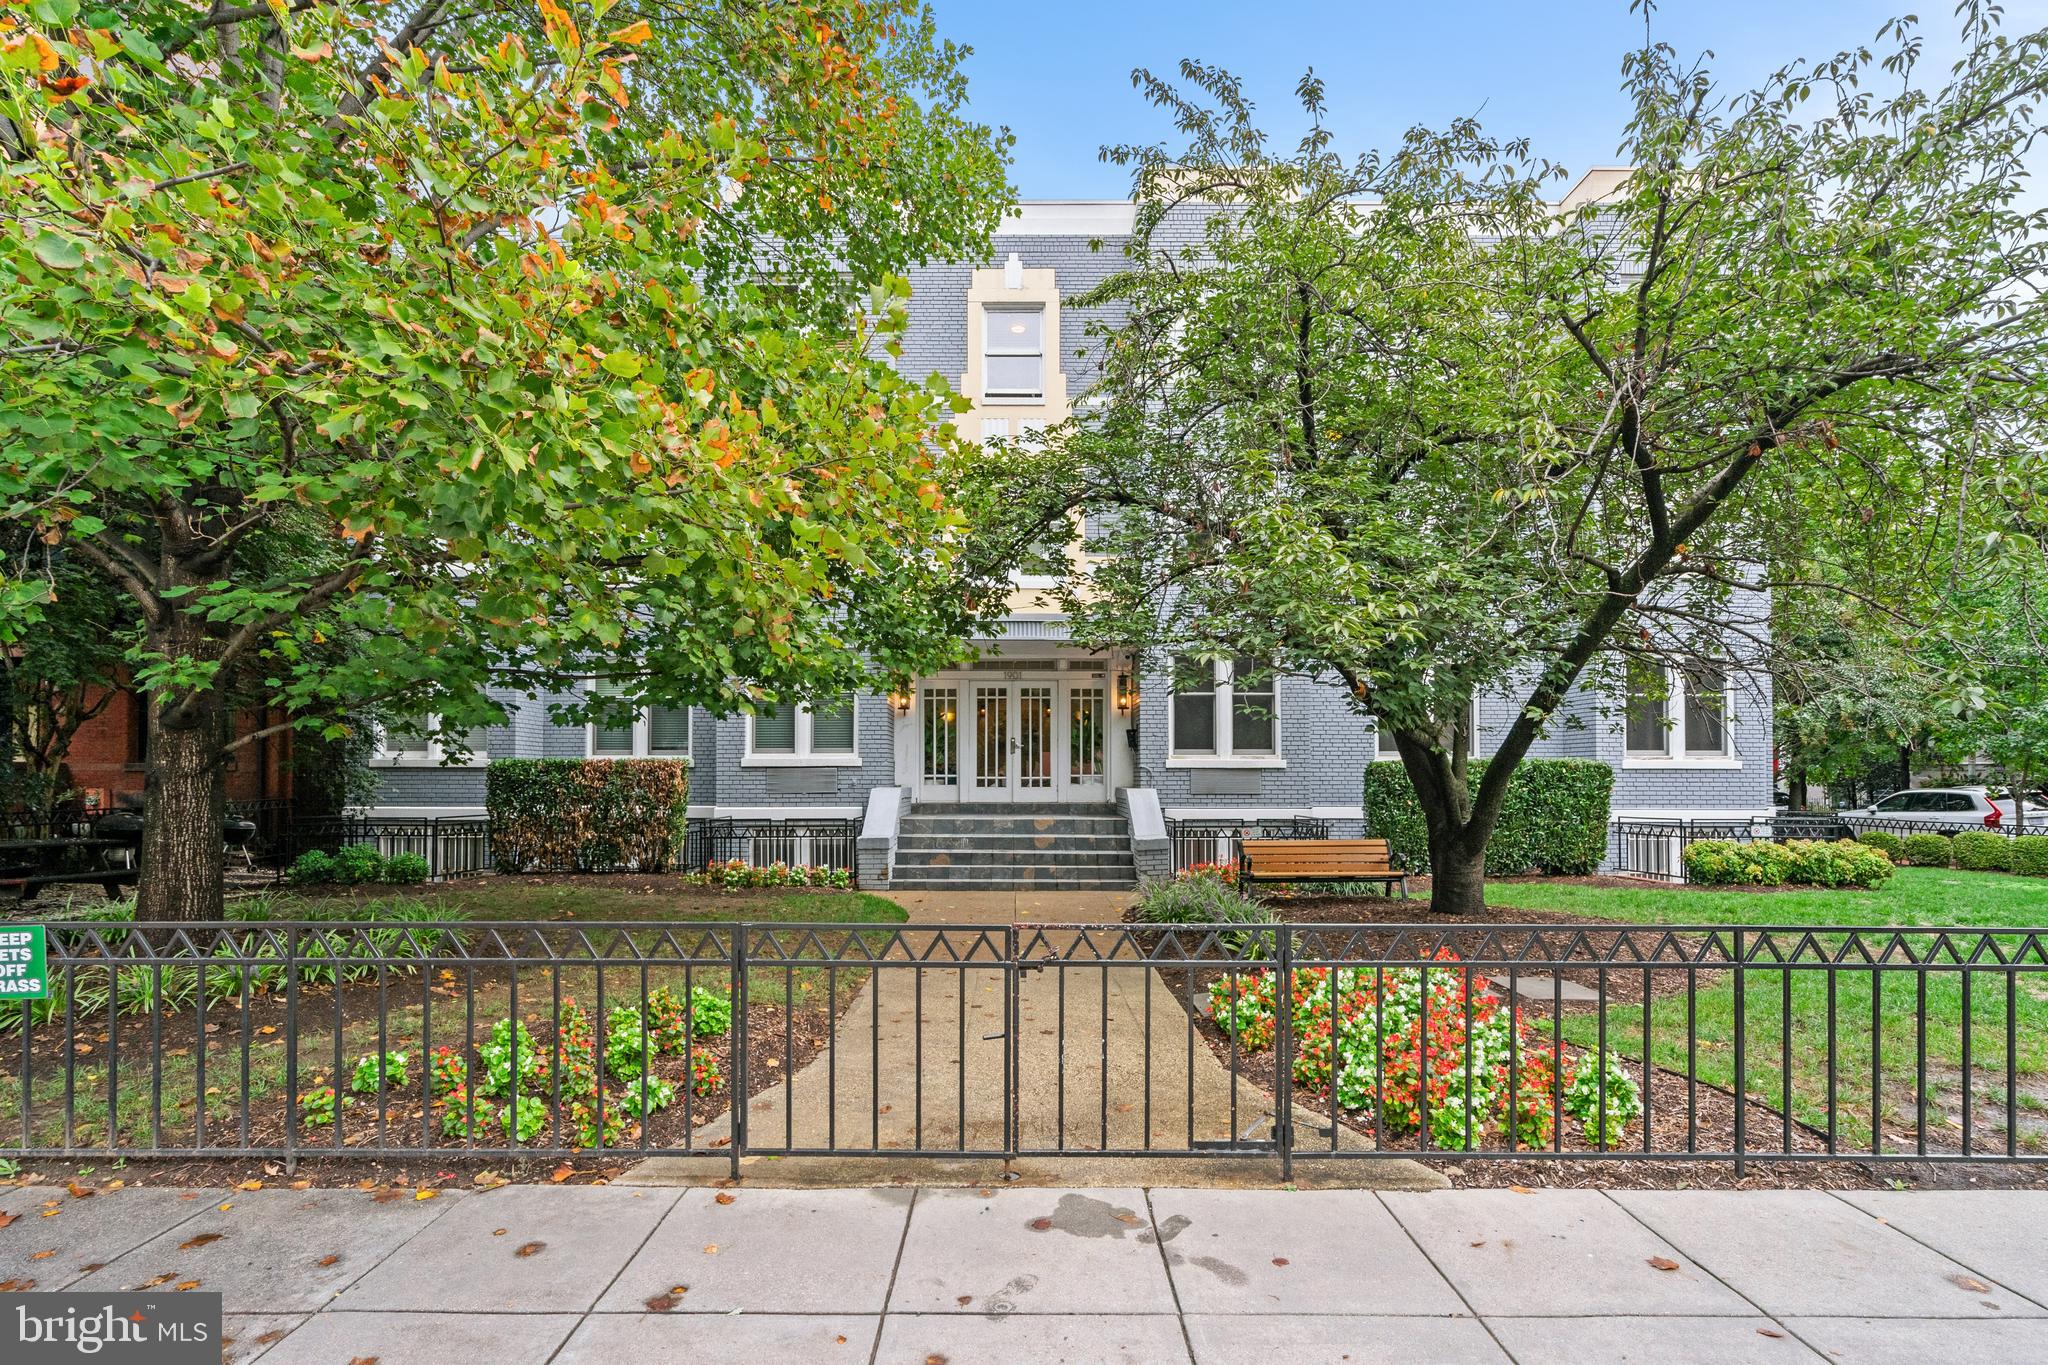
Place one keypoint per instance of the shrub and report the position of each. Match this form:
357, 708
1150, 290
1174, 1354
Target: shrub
1928, 850
1554, 818
586, 814
1206, 899
358, 863
1890, 844
1356, 1030
1724, 862
2030, 855
705, 1077
532, 1118
1841, 863
314, 867
1979, 850
643, 1098
404, 869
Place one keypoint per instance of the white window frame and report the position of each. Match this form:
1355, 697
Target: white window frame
1225, 755
1380, 754
1674, 754
643, 735
803, 756
434, 756
990, 312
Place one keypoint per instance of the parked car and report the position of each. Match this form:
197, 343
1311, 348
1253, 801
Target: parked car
1963, 807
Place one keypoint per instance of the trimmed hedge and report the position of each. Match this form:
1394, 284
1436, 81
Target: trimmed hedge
1928, 850
587, 814
1891, 844
1799, 862
1554, 819
2030, 855
1979, 850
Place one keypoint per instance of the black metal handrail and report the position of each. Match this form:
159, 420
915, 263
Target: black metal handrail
1215, 843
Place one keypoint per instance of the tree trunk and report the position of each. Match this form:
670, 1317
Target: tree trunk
184, 803
1457, 874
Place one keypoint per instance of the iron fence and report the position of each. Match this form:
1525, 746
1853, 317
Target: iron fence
453, 846
1215, 843
763, 843
1656, 848
1902, 826
1501, 1042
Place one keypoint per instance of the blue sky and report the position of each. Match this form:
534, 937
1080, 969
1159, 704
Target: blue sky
1057, 72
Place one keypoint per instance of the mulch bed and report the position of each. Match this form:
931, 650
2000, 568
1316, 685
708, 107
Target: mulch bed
1682, 1116
779, 1043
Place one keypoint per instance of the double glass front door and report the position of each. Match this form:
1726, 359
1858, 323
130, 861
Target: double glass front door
989, 740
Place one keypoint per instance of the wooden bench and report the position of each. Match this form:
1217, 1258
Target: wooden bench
1321, 860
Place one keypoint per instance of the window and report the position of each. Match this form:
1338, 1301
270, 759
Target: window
1648, 696
410, 741
1013, 352
1706, 705
1687, 705
653, 731
1391, 751
1224, 714
819, 734
1194, 707
1251, 708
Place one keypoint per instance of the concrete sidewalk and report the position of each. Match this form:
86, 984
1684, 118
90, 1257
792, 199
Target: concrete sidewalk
545, 1273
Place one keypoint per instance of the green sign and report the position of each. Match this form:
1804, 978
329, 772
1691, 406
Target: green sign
23, 975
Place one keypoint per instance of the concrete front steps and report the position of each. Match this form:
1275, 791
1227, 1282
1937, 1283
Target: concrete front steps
1013, 848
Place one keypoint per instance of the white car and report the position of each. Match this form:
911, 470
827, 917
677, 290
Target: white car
1964, 807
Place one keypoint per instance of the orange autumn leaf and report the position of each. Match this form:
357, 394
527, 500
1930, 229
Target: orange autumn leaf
634, 34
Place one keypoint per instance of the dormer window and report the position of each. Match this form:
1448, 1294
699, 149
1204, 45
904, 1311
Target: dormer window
1013, 352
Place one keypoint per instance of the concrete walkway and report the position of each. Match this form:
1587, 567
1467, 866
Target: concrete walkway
560, 1274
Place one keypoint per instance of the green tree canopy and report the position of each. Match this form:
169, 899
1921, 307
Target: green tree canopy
1403, 418
553, 335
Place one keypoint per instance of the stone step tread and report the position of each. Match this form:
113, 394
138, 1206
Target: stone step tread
1008, 884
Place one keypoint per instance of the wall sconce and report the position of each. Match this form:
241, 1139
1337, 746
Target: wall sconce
1126, 695
899, 701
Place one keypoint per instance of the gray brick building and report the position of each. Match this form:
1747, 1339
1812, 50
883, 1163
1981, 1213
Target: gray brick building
1037, 722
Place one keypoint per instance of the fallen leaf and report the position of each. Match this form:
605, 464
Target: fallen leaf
1662, 1263
723, 1197
1041, 1225
79, 1191
711, 1249
1280, 1260
88, 1269
1480, 1243
1769, 1332
679, 1289
499, 1232
302, 1184
363, 1360
225, 1207
6, 1218
268, 1028
964, 1300
660, 1303
1128, 1219
840, 1340
274, 1335
327, 1260
561, 1173
530, 1249
16, 1286
385, 1196
1970, 1284
164, 1278
1521, 1189
203, 1239
934, 1359
44, 1255
184, 1285
424, 1194
250, 1185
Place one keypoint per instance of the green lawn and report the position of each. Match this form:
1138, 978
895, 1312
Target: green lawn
1915, 896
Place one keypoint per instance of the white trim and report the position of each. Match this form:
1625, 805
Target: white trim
803, 756
786, 812
1069, 218
1674, 754
1264, 812
1690, 813
1652, 762
419, 812
1227, 761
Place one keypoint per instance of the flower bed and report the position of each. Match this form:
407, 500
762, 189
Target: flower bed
1424, 1040
737, 875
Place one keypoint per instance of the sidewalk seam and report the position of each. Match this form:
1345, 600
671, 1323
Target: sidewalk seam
597, 1298
1946, 1256
1712, 1274
1180, 1313
889, 1290
1450, 1283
